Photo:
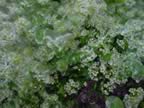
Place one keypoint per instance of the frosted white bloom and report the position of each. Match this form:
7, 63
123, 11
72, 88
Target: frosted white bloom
71, 87
22, 25
43, 1
89, 54
134, 98
130, 3
93, 72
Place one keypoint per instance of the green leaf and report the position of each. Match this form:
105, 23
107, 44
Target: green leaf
75, 57
138, 69
61, 91
62, 65
39, 35
10, 104
114, 102
141, 105
107, 56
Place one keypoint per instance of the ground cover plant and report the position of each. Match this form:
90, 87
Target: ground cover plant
71, 54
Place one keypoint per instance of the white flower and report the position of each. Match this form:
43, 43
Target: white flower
42, 2
71, 87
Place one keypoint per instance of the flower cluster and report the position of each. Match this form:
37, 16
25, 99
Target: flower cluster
134, 98
71, 87
71, 53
